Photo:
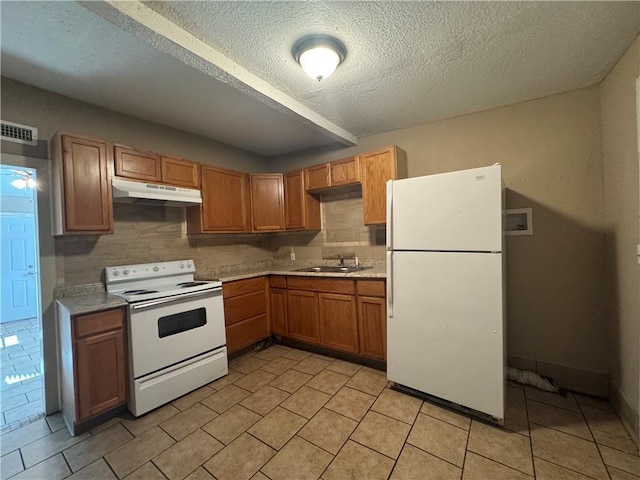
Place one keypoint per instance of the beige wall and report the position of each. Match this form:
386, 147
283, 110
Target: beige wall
621, 197
50, 112
550, 150
142, 234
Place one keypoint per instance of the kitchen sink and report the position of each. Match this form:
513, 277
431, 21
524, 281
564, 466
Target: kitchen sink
331, 269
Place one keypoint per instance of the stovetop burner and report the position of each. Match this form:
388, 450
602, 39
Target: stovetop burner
190, 284
139, 292
150, 281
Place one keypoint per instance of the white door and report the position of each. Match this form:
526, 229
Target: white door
19, 267
456, 211
445, 334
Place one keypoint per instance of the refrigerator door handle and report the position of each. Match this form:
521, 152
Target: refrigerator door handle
389, 214
390, 284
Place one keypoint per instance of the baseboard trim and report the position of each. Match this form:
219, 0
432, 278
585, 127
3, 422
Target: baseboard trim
626, 412
569, 378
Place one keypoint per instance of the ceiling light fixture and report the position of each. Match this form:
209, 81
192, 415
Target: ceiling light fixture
319, 55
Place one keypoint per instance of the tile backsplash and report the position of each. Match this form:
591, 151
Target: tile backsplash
144, 234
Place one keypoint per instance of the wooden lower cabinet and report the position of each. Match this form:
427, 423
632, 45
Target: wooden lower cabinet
372, 326
93, 363
341, 314
372, 318
338, 322
278, 305
303, 319
100, 373
245, 312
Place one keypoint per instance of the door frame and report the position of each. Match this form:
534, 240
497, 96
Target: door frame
47, 269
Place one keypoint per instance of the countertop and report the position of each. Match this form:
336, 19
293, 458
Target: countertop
79, 299
370, 273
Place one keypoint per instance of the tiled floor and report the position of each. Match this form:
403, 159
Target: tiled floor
287, 414
20, 373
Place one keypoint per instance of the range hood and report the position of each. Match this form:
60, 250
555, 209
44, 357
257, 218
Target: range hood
126, 191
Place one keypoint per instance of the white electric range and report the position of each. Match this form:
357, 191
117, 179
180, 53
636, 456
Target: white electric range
176, 331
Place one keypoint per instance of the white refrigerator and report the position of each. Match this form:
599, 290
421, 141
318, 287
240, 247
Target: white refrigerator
445, 288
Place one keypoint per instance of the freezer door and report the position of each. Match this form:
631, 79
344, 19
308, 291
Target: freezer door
446, 336
456, 211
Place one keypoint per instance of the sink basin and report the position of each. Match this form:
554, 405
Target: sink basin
331, 269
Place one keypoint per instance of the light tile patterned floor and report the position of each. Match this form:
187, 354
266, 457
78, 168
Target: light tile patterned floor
20, 373
288, 414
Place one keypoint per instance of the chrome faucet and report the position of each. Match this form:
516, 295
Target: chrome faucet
341, 258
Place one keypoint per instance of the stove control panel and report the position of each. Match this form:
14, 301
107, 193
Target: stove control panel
148, 270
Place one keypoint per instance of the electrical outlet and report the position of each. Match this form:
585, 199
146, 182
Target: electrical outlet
293, 255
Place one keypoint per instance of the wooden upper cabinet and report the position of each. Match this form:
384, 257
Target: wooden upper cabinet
301, 209
82, 186
267, 202
333, 174
318, 177
345, 171
183, 173
225, 204
151, 167
137, 165
376, 168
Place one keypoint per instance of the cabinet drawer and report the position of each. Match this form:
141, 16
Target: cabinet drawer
241, 287
371, 288
330, 285
277, 281
244, 306
94, 323
243, 334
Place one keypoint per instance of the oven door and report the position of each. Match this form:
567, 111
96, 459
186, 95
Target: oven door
166, 331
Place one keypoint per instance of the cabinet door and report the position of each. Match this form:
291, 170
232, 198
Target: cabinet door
278, 307
303, 316
318, 176
338, 321
301, 209
372, 327
87, 205
101, 373
137, 165
345, 172
180, 172
224, 203
376, 169
267, 202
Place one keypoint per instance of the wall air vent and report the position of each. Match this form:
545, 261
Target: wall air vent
16, 132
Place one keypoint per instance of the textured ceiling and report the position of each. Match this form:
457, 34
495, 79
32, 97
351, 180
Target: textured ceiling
407, 63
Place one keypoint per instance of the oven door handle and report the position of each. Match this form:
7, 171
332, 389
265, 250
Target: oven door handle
176, 298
